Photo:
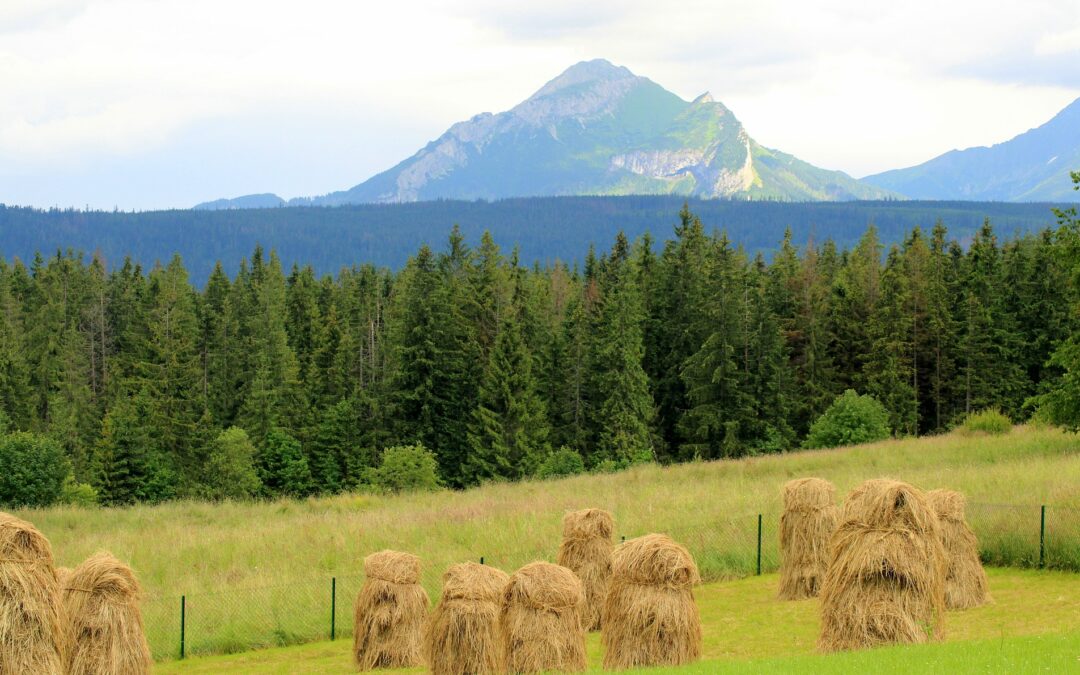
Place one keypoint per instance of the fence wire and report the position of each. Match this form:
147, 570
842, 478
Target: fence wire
242, 619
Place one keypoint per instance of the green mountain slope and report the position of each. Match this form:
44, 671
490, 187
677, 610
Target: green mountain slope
1033, 166
598, 129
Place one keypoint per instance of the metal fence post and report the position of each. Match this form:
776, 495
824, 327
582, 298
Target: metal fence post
1042, 537
183, 617
759, 544
333, 607
481, 560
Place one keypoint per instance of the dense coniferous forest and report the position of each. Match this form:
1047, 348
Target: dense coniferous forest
155, 387
545, 228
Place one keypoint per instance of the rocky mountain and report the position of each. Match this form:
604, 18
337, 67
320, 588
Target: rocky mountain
1033, 166
599, 129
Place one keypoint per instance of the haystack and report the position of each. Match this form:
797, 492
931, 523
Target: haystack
463, 634
885, 583
105, 633
650, 617
965, 579
391, 611
541, 620
586, 550
809, 518
31, 633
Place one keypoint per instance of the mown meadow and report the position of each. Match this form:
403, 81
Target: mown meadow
747, 630
258, 573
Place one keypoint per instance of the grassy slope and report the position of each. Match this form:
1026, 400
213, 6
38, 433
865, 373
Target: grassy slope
189, 547
747, 630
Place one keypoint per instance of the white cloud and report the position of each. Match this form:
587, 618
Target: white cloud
859, 86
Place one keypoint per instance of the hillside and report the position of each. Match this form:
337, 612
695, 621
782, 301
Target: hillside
597, 129
1033, 166
545, 228
234, 556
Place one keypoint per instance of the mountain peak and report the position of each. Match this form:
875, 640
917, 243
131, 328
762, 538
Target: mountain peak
586, 72
597, 128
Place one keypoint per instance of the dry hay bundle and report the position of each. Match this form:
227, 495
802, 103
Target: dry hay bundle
886, 574
965, 579
809, 519
463, 633
31, 632
391, 611
541, 620
105, 633
586, 551
650, 617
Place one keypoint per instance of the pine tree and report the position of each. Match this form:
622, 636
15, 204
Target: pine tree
681, 298
890, 368
570, 386
282, 467
272, 398
989, 348
769, 384
1061, 402
126, 466
220, 354
416, 356
171, 373
625, 409
941, 333
460, 357
337, 456
856, 294
14, 373
508, 431
720, 416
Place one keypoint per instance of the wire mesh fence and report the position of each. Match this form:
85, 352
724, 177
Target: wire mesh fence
318, 608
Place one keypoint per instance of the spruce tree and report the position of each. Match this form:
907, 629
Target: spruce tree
625, 406
170, 373
890, 368
272, 398
720, 417
508, 431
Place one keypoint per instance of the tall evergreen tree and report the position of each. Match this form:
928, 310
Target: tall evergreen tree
625, 409
171, 374
272, 398
508, 433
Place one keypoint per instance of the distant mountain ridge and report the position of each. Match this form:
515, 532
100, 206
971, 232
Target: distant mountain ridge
1033, 166
597, 129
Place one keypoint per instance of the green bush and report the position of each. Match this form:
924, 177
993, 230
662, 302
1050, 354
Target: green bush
850, 420
990, 421
406, 468
230, 467
563, 462
32, 470
78, 494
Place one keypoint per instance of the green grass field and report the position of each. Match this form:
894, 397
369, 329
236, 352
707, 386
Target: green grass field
746, 629
258, 574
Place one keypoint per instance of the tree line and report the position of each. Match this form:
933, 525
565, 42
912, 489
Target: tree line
545, 228
155, 389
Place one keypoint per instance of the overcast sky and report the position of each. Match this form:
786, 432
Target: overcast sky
161, 103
